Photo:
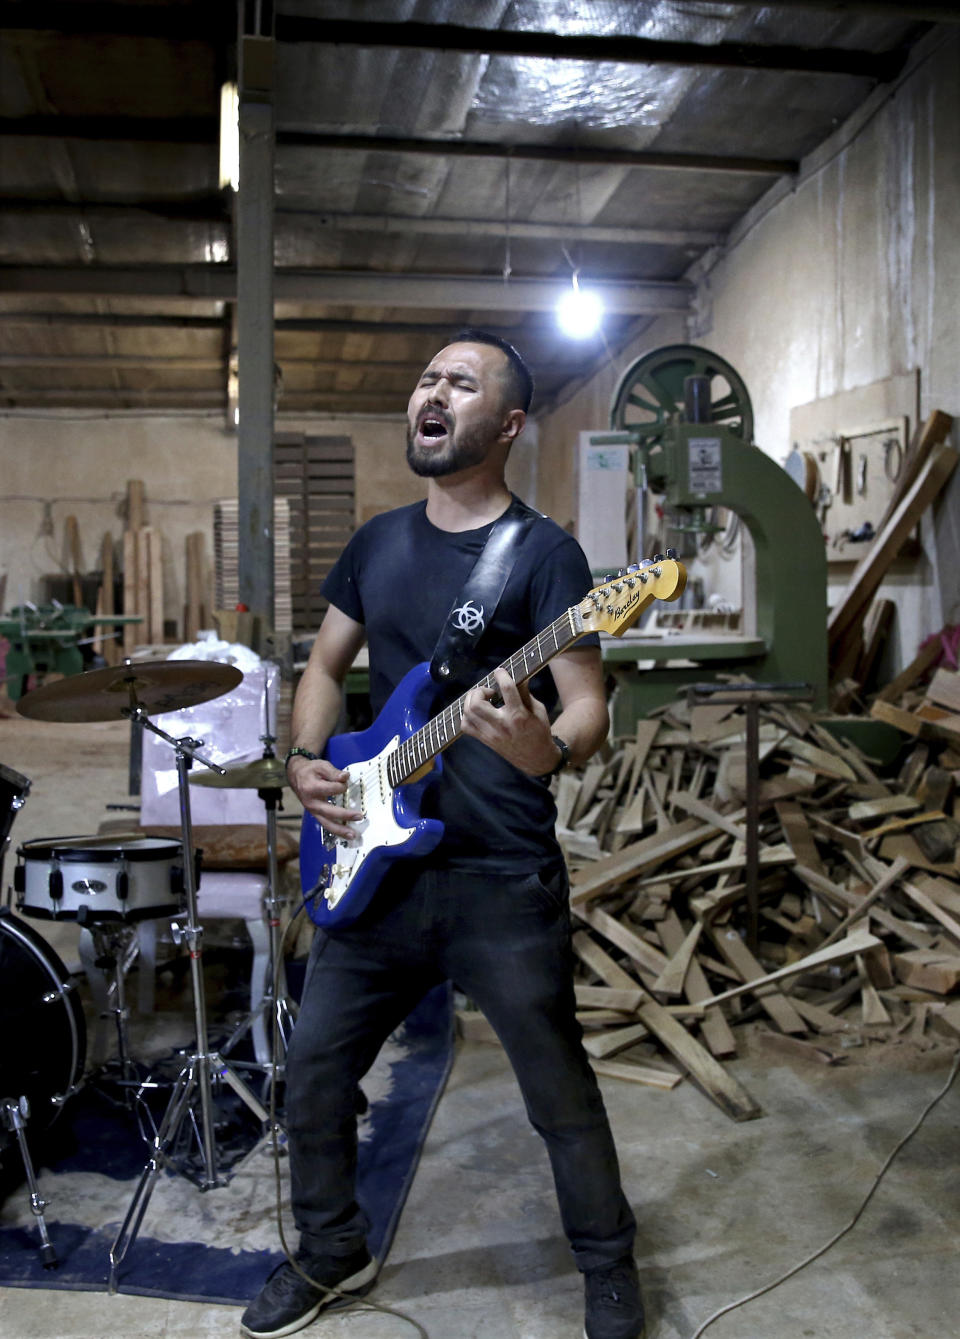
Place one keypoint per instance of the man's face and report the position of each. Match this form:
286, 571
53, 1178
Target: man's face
457, 410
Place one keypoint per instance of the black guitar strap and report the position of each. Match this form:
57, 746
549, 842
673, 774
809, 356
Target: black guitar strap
453, 662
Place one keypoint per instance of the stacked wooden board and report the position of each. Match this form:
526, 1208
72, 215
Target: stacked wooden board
226, 541
859, 938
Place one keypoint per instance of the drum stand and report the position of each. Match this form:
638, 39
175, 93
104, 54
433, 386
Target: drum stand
275, 1008
110, 947
15, 1112
205, 1065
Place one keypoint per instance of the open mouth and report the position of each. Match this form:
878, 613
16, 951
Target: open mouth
432, 426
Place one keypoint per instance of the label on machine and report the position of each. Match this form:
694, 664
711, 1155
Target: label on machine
705, 463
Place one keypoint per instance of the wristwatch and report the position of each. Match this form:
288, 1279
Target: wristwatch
562, 762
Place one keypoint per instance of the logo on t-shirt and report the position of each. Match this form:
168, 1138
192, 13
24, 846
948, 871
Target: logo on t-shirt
468, 618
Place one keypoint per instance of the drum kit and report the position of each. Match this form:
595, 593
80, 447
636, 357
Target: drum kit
107, 885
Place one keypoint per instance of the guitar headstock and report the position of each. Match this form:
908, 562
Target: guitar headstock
621, 599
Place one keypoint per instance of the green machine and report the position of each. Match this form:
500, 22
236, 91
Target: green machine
686, 416
47, 639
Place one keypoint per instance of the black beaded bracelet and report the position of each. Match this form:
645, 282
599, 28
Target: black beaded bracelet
298, 752
562, 762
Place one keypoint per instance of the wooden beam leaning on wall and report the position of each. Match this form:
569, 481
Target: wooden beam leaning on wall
927, 479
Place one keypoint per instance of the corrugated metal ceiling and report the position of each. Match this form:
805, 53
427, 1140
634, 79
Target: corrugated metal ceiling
497, 141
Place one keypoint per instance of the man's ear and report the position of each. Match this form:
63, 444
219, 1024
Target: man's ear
513, 425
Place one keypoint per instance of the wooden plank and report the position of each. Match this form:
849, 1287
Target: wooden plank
130, 587
636, 858
648, 958
671, 979
819, 759
927, 904
905, 721
707, 814
600, 962
793, 821
944, 689
871, 569
928, 969
874, 1012
609, 1042
143, 585
858, 942
646, 1074
714, 1027
865, 810
929, 434
917, 668
608, 997
886, 877
722, 1087
734, 951
155, 582
136, 512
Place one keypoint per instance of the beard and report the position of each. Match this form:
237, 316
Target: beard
456, 453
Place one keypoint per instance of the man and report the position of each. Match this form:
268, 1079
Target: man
488, 908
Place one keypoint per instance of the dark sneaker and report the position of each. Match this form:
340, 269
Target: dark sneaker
613, 1306
287, 1302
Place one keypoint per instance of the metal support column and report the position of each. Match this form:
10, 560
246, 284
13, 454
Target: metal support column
255, 359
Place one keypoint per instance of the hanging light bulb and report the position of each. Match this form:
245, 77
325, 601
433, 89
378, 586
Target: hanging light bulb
579, 311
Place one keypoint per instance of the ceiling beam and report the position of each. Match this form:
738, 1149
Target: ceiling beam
542, 153
204, 132
533, 325
621, 48
215, 211
367, 289
215, 24
121, 362
115, 397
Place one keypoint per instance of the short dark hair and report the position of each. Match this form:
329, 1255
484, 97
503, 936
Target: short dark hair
519, 377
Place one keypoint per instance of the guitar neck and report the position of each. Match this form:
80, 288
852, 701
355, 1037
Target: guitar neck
441, 731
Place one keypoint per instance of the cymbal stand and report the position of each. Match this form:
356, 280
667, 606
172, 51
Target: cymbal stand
204, 1065
274, 1004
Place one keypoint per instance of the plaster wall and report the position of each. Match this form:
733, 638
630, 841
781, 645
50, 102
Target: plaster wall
843, 278
60, 464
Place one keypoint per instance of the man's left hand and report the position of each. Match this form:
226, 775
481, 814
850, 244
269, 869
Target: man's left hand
519, 729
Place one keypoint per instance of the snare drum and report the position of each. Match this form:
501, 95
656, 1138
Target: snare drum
92, 879
44, 1032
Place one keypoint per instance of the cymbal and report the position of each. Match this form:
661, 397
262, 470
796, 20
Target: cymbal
105, 694
261, 774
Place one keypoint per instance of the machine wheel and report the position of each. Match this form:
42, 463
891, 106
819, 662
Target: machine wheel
650, 393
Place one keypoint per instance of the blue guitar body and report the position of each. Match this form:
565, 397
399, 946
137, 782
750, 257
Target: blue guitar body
339, 878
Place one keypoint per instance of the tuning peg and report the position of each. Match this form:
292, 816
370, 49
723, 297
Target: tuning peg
658, 557
671, 553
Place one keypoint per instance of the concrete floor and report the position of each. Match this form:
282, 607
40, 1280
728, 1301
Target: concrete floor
723, 1208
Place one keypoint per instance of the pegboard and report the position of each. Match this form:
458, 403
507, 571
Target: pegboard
848, 451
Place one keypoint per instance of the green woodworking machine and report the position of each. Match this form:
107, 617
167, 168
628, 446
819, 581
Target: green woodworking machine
686, 417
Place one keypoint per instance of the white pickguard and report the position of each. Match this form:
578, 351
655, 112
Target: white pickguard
368, 789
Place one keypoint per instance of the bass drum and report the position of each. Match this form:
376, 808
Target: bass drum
43, 1034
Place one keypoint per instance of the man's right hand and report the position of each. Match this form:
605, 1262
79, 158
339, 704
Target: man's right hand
317, 784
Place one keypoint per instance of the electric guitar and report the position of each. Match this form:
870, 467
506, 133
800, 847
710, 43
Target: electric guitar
389, 763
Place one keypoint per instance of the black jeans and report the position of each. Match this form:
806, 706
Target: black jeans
505, 942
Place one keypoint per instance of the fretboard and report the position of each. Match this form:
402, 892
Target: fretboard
444, 728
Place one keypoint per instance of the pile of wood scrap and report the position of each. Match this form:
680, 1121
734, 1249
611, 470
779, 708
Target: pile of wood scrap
859, 932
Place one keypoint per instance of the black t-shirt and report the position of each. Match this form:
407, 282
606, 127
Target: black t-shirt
399, 576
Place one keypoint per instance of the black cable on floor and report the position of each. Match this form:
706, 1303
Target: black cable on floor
769, 1287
